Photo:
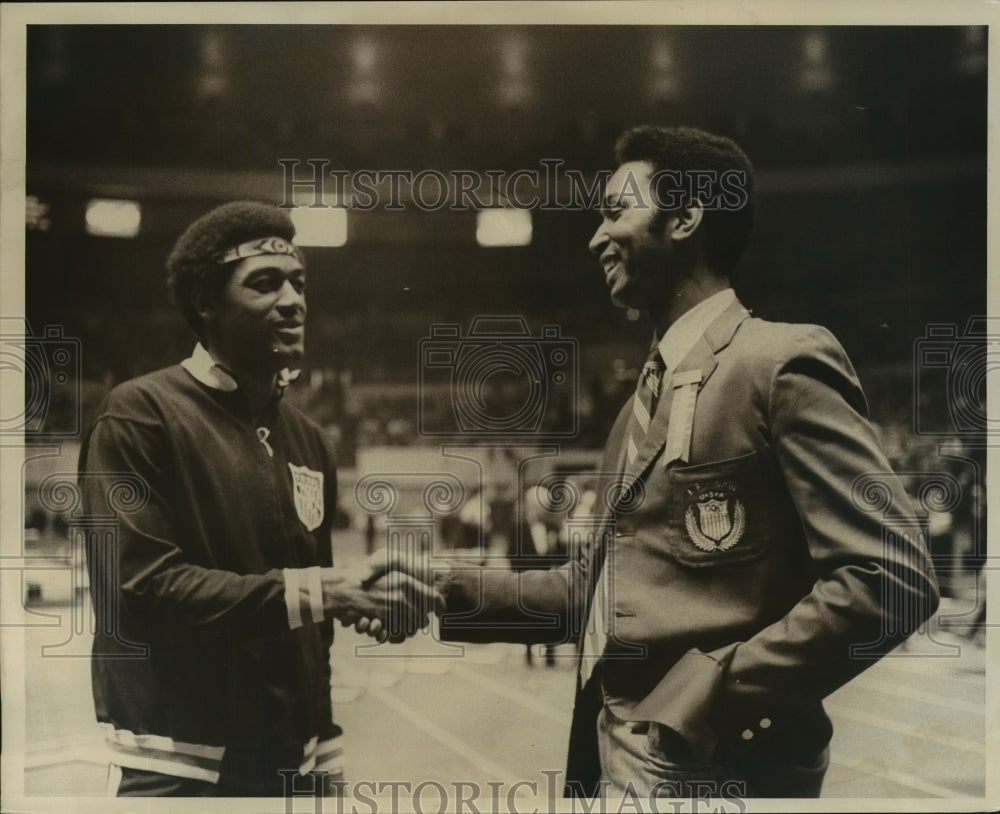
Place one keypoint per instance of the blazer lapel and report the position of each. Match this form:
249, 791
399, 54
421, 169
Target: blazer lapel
701, 357
720, 333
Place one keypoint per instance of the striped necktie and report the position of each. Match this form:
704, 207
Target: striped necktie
644, 404
643, 409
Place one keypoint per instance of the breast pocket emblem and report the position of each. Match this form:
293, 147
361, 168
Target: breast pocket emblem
715, 518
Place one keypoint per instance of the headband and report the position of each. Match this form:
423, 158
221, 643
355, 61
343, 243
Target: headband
253, 248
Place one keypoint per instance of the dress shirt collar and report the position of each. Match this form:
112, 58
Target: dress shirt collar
206, 370
210, 373
681, 337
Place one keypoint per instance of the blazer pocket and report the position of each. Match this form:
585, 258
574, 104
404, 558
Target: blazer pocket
717, 512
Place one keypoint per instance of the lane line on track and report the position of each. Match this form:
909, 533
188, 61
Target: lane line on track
900, 778
511, 694
920, 731
445, 738
913, 694
932, 668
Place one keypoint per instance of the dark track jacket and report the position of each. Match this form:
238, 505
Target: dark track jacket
214, 572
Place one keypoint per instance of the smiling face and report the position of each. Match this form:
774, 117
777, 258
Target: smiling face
256, 325
633, 241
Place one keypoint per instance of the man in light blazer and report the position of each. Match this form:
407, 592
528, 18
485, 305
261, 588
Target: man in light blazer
742, 574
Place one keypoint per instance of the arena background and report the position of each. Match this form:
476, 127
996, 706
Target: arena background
870, 145
870, 148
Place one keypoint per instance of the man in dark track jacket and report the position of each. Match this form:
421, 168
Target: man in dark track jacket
221, 576
744, 571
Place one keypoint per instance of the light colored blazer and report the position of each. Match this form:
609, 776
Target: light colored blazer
751, 579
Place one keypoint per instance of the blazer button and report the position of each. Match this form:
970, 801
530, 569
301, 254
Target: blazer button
765, 723
747, 734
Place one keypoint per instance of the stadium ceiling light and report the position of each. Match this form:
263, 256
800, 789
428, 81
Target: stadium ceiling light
37, 214
503, 227
113, 218
320, 226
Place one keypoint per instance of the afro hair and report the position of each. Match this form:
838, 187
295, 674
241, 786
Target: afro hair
689, 150
192, 267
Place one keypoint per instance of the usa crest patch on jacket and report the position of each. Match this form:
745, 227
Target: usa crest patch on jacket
308, 491
716, 511
716, 518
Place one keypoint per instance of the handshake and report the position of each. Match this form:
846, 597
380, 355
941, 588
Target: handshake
389, 596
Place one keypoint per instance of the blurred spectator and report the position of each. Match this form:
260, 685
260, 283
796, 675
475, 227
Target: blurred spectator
469, 527
537, 543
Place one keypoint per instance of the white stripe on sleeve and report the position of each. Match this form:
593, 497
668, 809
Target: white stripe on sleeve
292, 598
314, 580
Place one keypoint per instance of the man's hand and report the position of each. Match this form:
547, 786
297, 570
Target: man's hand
399, 564
416, 564
400, 604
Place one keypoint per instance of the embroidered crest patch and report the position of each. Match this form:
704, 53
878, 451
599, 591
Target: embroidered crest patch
307, 486
715, 518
